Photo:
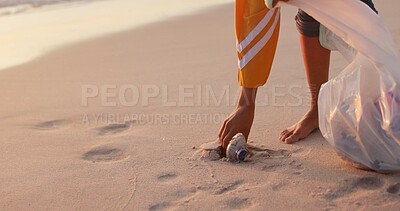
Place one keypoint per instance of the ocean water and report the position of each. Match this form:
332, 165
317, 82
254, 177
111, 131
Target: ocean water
11, 7
32, 28
33, 3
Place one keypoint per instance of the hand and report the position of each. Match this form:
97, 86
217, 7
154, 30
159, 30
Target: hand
241, 119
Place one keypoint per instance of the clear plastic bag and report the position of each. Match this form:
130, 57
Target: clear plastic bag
359, 109
359, 123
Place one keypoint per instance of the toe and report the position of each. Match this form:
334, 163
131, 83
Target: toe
285, 131
292, 138
286, 135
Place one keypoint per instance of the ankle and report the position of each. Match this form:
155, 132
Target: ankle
312, 113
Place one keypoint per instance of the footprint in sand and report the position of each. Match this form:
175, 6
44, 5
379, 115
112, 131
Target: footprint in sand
290, 166
274, 166
104, 154
296, 167
50, 125
354, 185
114, 128
393, 189
277, 160
268, 153
367, 183
238, 203
159, 206
230, 187
279, 186
166, 177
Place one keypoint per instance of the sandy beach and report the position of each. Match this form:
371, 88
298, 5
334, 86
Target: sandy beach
114, 123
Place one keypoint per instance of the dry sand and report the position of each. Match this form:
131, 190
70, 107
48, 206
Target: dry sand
58, 154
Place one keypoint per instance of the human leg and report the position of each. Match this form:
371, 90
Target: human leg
316, 60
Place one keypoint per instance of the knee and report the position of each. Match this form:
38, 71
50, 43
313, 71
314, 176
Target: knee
307, 25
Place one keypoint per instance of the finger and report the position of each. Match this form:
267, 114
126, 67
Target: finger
221, 130
225, 131
227, 139
223, 134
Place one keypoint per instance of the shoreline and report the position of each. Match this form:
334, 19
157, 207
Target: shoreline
80, 21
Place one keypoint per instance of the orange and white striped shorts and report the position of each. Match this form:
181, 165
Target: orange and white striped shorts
257, 32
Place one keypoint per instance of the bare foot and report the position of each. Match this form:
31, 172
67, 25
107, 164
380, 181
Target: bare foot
301, 129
